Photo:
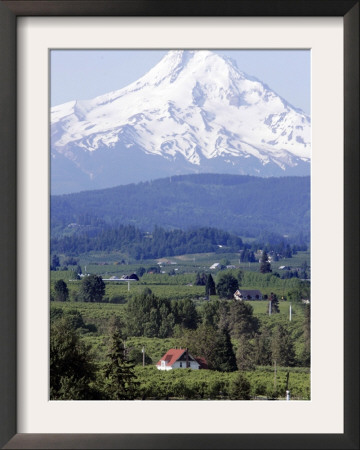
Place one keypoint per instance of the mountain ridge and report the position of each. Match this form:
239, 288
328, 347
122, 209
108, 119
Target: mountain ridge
243, 205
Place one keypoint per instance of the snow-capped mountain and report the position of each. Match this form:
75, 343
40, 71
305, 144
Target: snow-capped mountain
195, 111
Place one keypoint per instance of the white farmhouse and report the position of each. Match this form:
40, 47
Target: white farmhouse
178, 358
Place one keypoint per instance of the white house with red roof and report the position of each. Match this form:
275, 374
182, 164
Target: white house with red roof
179, 358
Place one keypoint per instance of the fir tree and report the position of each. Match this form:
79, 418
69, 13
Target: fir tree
210, 286
224, 357
262, 349
120, 379
72, 368
200, 279
282, 347
241, 320
240, 388
265, 266
245, 354
274, 301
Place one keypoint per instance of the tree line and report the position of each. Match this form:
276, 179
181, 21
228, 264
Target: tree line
130, 240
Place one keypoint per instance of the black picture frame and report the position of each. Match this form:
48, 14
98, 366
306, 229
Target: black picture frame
9, 11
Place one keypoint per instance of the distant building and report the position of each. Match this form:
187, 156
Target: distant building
133, 276
180, 358
248, 294
215, 265
166, 261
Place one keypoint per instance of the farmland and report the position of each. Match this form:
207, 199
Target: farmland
174, 287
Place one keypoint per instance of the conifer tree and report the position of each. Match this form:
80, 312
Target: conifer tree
120, 379
72, 369
210, 286
224, 357
262, 349
241, 320
265, 266
282, 347
274, 304
240, 388
200, 279
245, 354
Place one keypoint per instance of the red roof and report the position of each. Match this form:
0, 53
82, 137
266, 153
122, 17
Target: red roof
202, 361
171, 356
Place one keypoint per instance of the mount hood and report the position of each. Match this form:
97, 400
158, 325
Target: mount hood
194, 112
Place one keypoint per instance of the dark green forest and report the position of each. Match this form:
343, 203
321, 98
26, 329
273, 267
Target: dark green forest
162, 243
243, 205
132, 241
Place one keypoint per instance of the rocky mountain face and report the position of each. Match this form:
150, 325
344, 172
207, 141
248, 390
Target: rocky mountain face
194, 112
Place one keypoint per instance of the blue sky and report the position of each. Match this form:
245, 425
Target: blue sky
84, 74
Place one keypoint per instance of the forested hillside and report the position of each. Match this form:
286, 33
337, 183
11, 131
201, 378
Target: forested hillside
130, 240
243, 205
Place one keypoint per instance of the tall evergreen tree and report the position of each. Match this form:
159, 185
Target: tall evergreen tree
120, 379
201, 342
274, 301
241, 320
245, 354
200, 279
265, 266
224, 357
210, 286
185, 313
72, 368
262, 349
212, 344
210, 313
282, 347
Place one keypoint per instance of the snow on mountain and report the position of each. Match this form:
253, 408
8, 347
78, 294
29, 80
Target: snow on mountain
194, 111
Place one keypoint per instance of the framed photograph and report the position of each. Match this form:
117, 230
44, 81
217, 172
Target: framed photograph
177, 83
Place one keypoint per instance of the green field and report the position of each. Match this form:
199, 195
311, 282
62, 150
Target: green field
176, 283
115, 263
209, 385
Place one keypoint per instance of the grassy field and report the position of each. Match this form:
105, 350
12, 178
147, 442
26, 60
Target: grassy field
114, 263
